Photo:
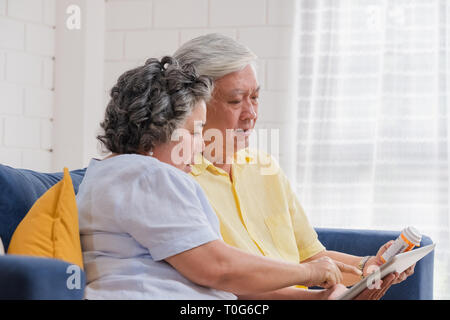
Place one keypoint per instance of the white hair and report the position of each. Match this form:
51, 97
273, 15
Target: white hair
215, 55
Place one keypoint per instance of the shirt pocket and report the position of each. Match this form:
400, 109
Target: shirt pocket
280, 227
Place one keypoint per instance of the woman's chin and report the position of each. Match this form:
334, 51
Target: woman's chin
187, 168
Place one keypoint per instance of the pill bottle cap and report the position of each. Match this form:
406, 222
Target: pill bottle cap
413, 235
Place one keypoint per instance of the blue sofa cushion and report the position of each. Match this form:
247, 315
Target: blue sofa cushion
20, 188
32, 278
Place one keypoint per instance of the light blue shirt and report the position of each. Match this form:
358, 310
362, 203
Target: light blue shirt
134, 212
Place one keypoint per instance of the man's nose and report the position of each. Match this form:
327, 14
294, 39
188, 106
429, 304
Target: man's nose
249, 112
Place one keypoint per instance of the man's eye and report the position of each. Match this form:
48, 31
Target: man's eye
235, 102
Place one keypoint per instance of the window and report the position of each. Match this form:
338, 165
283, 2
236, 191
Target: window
372, 117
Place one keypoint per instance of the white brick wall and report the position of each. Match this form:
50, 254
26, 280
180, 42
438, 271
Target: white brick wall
140, 45
2, 66
135, 31
26, 10
2, 7
140, 29
237, 13
138, 15
27, 49
188, 14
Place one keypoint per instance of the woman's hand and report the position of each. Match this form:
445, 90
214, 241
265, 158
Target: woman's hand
326, 273
375, 262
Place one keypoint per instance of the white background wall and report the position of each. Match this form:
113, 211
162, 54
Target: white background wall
27, 49
135, 31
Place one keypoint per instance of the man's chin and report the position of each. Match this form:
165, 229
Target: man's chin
241, 143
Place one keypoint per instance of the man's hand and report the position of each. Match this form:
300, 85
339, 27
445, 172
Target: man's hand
379, 290
375, 293
375, 262
334, 292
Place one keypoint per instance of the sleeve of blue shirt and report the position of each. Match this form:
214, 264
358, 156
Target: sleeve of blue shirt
166, 215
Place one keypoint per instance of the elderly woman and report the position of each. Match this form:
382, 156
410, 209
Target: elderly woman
147, 229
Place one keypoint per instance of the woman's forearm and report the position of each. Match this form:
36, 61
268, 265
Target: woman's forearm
220, 266
247, 274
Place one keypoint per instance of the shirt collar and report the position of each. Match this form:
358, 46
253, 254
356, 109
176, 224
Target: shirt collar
202, 164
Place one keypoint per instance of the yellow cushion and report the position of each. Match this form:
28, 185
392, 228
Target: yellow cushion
50, 229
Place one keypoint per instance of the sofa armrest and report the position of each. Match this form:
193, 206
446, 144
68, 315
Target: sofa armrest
419, 286
32, 278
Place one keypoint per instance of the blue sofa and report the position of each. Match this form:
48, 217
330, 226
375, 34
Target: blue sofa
29, 277
41, 278
419, 286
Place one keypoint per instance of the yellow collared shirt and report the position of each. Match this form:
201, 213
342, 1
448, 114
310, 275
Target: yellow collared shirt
258, 211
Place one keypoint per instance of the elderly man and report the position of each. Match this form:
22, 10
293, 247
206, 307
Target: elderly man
258, 212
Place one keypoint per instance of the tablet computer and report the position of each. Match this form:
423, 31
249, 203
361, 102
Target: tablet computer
398, 263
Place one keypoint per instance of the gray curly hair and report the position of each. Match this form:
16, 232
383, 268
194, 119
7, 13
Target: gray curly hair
149, 102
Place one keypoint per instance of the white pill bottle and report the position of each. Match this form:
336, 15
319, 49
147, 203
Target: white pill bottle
406, 241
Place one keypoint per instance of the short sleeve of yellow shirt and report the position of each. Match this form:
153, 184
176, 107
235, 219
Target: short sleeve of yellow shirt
258, 211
